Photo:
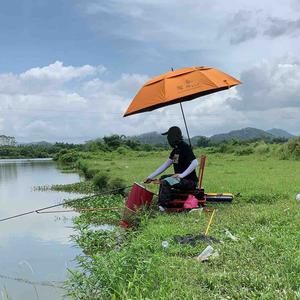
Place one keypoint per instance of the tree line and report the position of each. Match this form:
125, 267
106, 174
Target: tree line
122, 144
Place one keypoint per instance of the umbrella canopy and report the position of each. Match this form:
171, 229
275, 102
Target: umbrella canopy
179, 86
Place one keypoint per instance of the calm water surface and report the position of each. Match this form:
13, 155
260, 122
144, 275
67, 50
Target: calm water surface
36, 247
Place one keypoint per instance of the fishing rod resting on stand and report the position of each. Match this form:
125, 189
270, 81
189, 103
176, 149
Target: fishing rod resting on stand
40, 210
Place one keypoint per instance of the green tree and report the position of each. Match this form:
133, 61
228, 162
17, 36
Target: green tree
203, 141
114, 141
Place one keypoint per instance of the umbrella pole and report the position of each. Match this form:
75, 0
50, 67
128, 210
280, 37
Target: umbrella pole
186, 128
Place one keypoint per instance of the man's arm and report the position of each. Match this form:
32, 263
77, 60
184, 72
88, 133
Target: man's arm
188, 171
159, 170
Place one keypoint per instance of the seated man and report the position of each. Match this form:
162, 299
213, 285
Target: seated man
184, 163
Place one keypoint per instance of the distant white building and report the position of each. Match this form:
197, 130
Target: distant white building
7, 140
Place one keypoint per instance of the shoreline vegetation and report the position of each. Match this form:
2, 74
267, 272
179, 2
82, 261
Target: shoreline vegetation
285, 148
263, 261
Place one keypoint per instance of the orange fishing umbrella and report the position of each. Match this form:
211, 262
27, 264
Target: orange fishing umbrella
179, 86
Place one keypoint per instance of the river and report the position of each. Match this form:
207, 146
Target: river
36, 247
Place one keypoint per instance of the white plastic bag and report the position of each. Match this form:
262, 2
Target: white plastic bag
206, 253
230, 235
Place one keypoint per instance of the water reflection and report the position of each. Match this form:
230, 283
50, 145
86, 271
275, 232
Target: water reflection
7, 174
42, 241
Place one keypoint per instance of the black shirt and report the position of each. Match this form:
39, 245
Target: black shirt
182, 156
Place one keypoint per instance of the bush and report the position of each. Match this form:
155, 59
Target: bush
290, 150
119, 185
134, 145
88, 173
224, 148
262, 148
96, 145
293, 146
243, 151
114, 141
69, 157
100, 181
203, 142
147, 147
91, 173
123, 149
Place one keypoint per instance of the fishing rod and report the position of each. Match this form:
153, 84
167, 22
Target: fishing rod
64, 203
78, 210
54, 284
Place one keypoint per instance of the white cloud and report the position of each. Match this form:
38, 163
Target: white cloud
50, 103
245, 25
60, 73
127, 85
94, 106
269, 85
48, 78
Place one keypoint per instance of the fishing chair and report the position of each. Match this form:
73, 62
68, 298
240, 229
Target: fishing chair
179, 196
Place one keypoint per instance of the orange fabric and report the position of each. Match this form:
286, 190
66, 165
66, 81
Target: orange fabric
179, 86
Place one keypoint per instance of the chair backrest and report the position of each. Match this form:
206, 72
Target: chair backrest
201, 170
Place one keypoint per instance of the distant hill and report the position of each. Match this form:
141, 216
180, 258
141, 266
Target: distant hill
279, 133
194, 139
155, 138
244, 134
151, 138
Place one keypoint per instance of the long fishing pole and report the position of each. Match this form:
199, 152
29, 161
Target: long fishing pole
54, 284
63, 203
79, 210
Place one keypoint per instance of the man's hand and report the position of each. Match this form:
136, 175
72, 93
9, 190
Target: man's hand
147, 180
177, 176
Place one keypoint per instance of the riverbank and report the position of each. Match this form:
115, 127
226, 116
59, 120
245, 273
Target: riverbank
262, 263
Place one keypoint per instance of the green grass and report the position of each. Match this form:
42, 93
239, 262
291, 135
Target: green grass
224, 172
263, 264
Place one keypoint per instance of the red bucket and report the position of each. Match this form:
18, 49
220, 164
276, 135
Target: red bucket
139, 196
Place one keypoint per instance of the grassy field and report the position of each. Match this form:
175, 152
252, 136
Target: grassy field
264, 263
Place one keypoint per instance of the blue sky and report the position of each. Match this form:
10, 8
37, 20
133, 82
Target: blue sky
68, 69
39, 32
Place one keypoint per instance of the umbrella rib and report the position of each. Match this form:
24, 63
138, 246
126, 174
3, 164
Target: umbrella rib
165, 90
213, 83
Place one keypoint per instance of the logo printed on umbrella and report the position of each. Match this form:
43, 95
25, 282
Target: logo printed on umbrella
188, 85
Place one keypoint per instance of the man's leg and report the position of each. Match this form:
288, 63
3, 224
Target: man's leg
164, 195
182, 187
186, 185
